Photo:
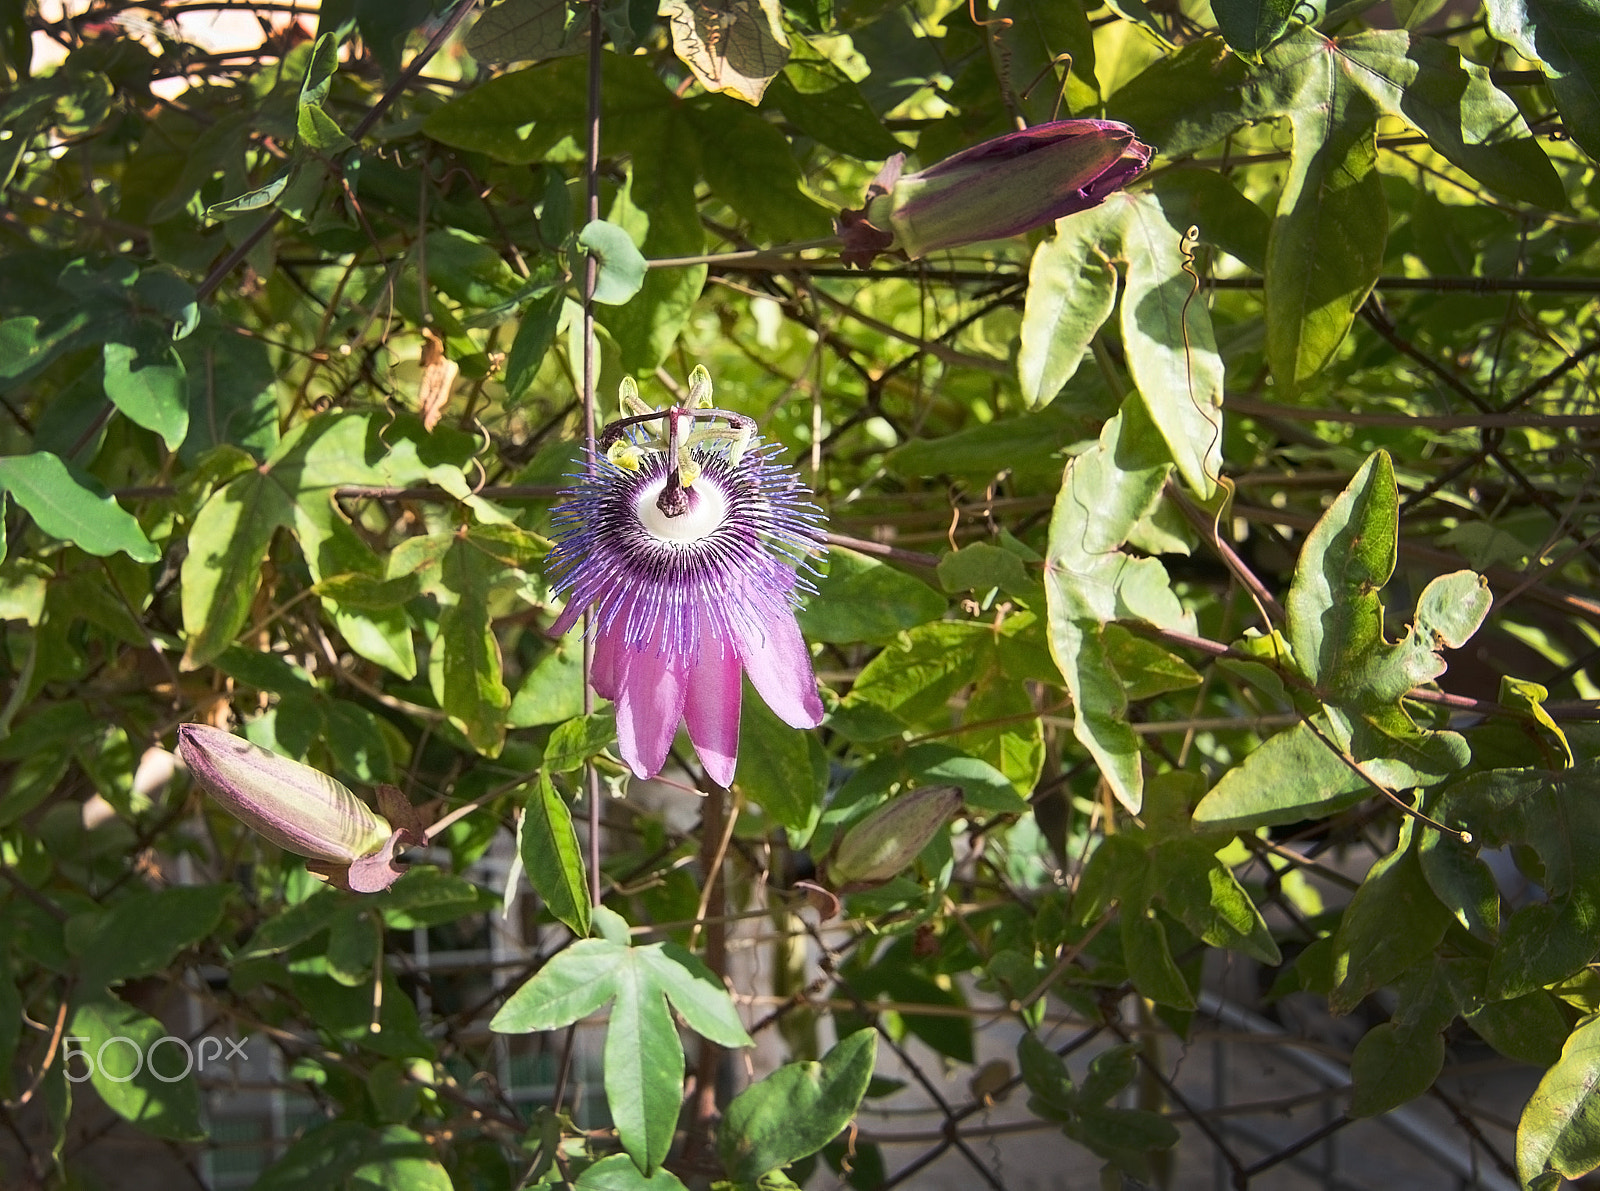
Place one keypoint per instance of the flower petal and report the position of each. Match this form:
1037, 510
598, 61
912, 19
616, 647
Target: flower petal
649, 699
780, 669
603, 664
712, 710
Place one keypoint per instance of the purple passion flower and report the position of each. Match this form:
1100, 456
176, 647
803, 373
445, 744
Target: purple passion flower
1003, 187
685, 543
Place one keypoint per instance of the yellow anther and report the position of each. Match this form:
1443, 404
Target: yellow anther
688, 472
625, 454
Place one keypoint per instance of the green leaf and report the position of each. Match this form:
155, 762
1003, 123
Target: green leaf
1072, 288
1148, 957
321, 66
1331, 225
535, 334
914, 678
1288, 777
618, 1173
1400, 1059
666, 154
526, 31
1529, 1029
293, 925
1047, 1077
862, 599
1560, 1127
1225, 217
1170, 346
1250, 26
643, 1056
355, 941
749, 165
258, 199
1201, 892
825, 104
1090, 582
796, 1110
622, 266
1465, 117
221, 572
232, 391
553, 690
401, 1159
1333, 608
319, 131
783, 770
72, 506
1462, 882
141, 1082
575, 741
981, 568
426, 897
141, 934
465, 666
1391, 923
1558, 815
1564, 36
548, 845
323, 1157
145, 379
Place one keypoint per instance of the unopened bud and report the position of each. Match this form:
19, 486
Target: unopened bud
299, 808
888, 840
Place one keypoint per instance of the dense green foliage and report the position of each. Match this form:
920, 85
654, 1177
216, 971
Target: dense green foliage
1216, 542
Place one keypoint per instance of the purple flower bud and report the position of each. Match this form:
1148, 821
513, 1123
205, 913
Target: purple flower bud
300, 809
1003, 187
888, 839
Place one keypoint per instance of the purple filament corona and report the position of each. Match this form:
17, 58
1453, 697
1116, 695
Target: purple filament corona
684, 603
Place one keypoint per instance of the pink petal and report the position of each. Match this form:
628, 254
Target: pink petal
568, 618
712, 709
603, 665
649, 699
780, 669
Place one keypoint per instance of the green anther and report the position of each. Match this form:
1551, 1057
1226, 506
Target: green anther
699, 388
628, 398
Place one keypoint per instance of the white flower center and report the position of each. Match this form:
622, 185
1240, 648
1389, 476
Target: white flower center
708, 509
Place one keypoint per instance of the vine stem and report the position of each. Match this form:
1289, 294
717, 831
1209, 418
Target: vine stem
591, 271
716, 832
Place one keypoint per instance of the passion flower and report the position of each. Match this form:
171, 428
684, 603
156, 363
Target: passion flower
684, 538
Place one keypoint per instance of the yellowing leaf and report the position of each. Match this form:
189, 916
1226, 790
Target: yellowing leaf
737, 48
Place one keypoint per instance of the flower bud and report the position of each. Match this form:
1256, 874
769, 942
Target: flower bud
888, 839
1003, 187
300, 809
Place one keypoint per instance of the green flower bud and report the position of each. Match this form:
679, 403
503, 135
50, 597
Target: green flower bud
300, 809
888, 840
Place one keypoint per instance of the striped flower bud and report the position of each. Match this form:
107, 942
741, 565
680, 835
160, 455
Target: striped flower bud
888, 840
300, 809
1003, 187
